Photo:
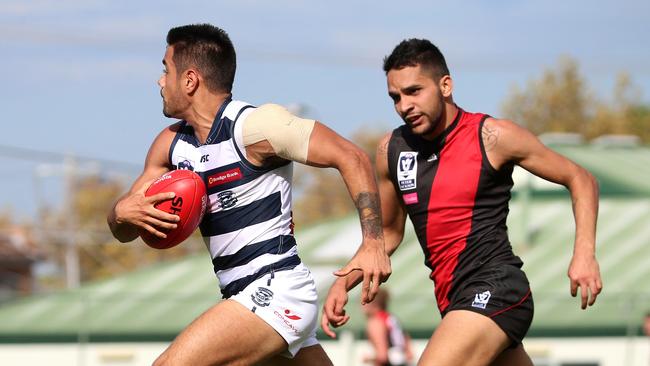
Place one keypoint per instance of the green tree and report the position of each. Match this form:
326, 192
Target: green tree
559, 101
625, 114
82, 225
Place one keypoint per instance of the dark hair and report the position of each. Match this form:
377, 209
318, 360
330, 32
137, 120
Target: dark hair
413, 52
207, 48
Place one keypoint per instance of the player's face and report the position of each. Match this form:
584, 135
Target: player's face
417, 98
169, 82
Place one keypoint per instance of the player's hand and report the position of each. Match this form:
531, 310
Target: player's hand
334, 308
373, 261
584, 272
137, 210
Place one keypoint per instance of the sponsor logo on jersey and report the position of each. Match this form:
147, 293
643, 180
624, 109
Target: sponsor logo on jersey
410, 198
407, 169
286, 322
262, 296
226, 199
481, 299
224, 177
288, 314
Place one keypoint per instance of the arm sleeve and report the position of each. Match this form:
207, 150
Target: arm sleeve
287, 134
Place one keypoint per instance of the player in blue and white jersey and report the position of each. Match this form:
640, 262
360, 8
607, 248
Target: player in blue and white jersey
244, 155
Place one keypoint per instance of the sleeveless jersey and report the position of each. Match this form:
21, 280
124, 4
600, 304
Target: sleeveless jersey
456, 200
248, 226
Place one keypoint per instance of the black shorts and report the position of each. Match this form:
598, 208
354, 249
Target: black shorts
501, 293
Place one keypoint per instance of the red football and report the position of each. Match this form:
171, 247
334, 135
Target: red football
189, 204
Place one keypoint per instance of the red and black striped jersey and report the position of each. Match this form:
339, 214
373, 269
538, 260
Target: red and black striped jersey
456, 200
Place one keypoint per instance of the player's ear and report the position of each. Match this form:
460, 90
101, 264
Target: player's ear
446, 85
190, 80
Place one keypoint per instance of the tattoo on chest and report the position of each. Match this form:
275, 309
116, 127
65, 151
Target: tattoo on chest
367, 204
490, 137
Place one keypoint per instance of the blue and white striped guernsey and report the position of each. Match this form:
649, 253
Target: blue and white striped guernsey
248, 227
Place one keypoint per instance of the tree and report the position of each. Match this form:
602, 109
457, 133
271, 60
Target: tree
560, 102
81, 227
625, 115
557, 102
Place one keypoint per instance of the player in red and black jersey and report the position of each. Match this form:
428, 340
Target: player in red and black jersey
450, 171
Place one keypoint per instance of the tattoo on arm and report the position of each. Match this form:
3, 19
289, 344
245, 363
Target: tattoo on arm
367, 204
490, 137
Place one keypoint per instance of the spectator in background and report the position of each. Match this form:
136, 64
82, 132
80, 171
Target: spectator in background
646, 324
391, 344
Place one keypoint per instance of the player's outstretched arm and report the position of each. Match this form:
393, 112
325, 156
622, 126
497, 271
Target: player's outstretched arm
270, 131
393, 221
328, 149
133, 210
506, 141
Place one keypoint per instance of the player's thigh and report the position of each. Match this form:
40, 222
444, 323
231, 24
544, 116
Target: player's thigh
313, 356
464, 338
226, 334
513, 356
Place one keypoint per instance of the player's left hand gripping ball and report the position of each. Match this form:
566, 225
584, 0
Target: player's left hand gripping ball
189, 203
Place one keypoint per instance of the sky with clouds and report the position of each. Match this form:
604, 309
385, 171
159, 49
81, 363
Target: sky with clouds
80, 75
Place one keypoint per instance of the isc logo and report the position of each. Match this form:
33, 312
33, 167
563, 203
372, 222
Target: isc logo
177, 204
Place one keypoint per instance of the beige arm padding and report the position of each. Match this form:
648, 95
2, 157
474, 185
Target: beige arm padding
287, 134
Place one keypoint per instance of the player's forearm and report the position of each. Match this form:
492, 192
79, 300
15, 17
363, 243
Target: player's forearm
349, 281
122, 231
392, 238
584, 196
359, 177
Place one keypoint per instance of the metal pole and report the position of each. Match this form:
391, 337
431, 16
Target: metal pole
71, 252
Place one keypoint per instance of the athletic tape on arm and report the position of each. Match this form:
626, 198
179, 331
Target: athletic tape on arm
287, 134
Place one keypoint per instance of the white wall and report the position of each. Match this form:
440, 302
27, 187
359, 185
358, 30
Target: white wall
346, 352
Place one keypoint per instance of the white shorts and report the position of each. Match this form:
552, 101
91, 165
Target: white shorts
288, 302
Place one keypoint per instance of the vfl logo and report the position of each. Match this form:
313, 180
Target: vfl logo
481, 299
262, 297
226, 199
185, 165
407, 169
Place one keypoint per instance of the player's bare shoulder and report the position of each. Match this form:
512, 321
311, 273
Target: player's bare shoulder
382, 153
505, 140
159, 151
382, 146
168, 133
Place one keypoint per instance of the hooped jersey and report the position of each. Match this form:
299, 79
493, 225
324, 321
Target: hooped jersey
248, 226
456, 200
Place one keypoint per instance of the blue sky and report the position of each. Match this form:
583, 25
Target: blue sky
80, 75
